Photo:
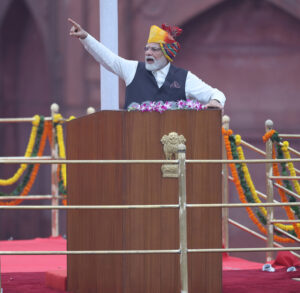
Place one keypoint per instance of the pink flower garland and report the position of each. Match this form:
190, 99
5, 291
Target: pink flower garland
164, 106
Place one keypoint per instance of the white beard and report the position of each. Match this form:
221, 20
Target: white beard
158, 63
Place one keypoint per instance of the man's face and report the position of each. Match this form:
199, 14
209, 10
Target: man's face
154, 57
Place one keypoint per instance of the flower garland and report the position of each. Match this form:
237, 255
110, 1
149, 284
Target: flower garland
288, 228
161, 106
281, 192
21, 185
285, 150
36, 167
61, 170
28, 152
28, 180
57, 119
268, 135
61, 188
227, 134
247, 176
277, 140
241, 177
40, 132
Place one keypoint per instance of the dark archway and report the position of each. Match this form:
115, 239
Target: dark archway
24, 90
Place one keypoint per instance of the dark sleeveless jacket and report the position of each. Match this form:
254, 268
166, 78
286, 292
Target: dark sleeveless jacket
144, 86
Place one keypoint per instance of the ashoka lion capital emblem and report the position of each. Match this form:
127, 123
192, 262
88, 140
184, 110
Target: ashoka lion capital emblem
171, 143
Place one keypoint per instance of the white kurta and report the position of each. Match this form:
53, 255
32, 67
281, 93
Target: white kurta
195, 88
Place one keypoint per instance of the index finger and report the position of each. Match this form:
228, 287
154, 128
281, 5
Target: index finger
74, 22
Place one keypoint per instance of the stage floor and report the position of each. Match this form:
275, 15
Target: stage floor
26, 274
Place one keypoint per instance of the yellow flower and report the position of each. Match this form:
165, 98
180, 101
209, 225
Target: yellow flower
36, 120
285, 146
61, 151
71, 118
57, 118
238, 139
28, 152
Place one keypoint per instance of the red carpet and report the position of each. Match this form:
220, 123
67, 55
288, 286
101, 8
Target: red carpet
28, 273
26, 283
33, 263
254, 281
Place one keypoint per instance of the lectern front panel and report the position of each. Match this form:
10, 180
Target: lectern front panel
136, 135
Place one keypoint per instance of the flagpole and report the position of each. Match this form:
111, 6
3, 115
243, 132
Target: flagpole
109, 82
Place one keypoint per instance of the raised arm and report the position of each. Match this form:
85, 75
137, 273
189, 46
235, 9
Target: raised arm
124, 68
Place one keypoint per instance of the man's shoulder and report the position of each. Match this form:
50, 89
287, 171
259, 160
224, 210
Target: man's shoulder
176, 69
141, 66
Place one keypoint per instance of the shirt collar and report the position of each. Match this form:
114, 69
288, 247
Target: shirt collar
163, 70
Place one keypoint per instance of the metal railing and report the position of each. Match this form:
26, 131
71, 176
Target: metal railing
183, 250
54, 196
269, 196
182, 206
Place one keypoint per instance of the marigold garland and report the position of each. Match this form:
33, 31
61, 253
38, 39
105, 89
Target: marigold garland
288, 228
268, 135
61, 188
247, 174
226, 134
281, 192
61, 171
241, 174
40, 132
285, 149
30, 177
236, 179
277, 140
28, 152
25, 179
36, 167
61, 150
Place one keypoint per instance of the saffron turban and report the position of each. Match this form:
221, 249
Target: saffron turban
165, 36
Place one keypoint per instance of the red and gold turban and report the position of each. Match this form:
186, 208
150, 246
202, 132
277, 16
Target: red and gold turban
165, 36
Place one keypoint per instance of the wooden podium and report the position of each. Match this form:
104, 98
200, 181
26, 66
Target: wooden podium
135, 135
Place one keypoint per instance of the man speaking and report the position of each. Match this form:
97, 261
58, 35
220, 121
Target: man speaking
156, 79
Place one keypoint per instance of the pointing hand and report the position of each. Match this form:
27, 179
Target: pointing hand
76, 30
